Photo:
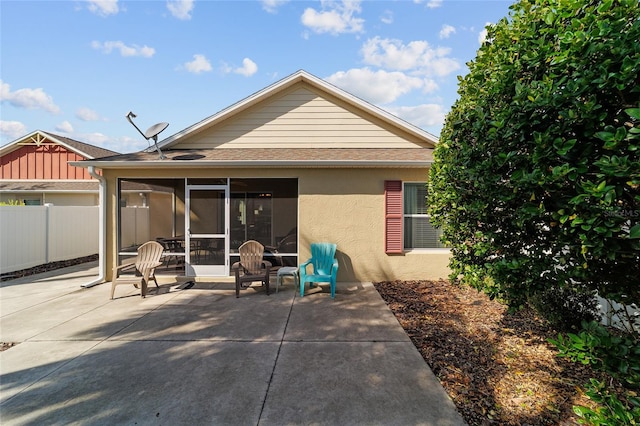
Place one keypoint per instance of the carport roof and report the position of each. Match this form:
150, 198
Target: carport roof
269, 157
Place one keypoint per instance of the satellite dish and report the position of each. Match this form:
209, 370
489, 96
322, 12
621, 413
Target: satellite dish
151, 133
154, 130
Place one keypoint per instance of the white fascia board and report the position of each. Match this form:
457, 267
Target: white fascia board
171, 164
11, 146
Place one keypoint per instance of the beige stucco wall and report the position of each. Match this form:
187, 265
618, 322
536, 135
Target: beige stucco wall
344, 206
347, 207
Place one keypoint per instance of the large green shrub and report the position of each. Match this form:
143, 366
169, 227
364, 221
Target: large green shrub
536, 180
566, 308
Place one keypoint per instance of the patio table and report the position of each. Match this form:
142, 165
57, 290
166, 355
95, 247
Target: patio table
291, 271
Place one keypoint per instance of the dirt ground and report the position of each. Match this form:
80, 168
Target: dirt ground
497, 367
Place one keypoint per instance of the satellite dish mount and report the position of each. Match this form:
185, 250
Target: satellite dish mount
151, 133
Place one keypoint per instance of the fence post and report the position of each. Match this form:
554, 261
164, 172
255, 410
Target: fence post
47, 227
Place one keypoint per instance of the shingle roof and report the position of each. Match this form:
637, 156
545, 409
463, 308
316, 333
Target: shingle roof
90, 150
280, 157
83, 149
48, 186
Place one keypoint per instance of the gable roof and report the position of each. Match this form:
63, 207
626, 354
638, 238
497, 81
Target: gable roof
244, 134
279, 87
38, 137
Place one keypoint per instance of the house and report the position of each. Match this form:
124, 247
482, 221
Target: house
34, 170
300, 161
61, 220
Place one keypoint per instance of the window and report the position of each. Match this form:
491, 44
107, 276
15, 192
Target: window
407, 224
418, 231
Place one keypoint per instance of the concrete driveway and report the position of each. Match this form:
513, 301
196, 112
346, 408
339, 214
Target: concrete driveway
199, 356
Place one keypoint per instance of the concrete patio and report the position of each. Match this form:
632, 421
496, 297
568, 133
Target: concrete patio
200, 356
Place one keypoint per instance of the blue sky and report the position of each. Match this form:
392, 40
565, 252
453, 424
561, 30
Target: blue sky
76, 68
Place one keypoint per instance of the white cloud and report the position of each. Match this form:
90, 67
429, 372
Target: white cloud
432, 4
272, 6
28, 98
97, 139
180, 9
103, 7
417, 56
124, 144
133, 50
247, 69
429, 85
86, 114
336, 17
387, 17
482, 37
65, 127
199, 64
12, 129
421, 115
446, 31
378, 87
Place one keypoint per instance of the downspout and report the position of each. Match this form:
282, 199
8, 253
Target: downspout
102, 196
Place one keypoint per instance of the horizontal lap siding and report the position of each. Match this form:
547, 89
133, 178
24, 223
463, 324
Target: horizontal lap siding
300, 119
41, 162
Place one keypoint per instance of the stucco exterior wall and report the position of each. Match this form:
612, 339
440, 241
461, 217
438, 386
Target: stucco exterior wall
344, 206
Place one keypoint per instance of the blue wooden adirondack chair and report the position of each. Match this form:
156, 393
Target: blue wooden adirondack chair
325, 267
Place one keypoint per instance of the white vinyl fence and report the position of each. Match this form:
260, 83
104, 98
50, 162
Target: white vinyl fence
35, 235
613, 314
135, 226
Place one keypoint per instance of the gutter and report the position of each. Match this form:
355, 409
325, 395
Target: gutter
102, 196
257, 163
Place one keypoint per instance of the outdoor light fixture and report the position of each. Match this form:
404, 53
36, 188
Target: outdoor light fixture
151, 133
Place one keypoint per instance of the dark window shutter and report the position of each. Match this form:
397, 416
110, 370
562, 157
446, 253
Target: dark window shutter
393, 216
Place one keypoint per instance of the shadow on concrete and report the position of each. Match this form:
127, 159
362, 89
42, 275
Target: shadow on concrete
202, 356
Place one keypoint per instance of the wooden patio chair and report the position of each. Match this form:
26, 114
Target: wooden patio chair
147, 260
252, 267
324, 267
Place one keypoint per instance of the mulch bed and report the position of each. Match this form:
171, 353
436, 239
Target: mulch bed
51, 266
497, 367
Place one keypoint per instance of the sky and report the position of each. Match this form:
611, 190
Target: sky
76, 68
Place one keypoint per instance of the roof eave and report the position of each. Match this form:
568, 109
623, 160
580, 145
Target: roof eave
12, 146
164, 164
